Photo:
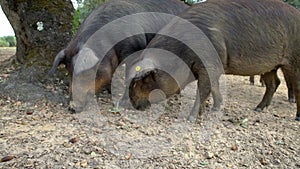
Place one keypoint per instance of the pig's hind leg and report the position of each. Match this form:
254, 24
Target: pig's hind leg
289, 86
272, 82
293, 75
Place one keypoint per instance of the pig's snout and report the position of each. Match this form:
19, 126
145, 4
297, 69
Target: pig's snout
78, 104
142, 105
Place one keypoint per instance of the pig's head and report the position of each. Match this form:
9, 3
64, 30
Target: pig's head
66, 57
90, 75
87, 75
150, 85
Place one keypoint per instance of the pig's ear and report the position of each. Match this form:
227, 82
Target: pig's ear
85, 60
142, 69
57, 61
149, 74
154, 74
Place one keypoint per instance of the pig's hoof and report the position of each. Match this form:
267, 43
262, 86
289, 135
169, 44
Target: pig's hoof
292, 100
71, 110
192, 119
75, 109
297, 119
258, 109
125, 103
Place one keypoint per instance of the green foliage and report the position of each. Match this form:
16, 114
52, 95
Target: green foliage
295, 3
83, 10
11, 40
76, 21
8, 41
3, 43
85, 7
191, 2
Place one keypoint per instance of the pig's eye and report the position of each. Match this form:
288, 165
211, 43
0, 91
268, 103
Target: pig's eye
148, 79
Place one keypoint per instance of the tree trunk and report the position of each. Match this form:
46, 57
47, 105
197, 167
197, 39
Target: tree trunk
42, 28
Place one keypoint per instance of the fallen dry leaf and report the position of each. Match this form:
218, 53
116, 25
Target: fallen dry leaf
7, 158
29, 112
128, 157
74, 140
234, 148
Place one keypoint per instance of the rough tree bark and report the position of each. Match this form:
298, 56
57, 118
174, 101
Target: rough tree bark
42, 28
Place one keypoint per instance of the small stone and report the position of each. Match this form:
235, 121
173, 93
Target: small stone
23, 122
277, 162
36, 118
263, 161
128, 156
256, 124
99, 150
83, 163
120, 123
229, 165
93, 154
77, 163
48, 115
86, 150
209, 155
67, 144
57, 158
28, 117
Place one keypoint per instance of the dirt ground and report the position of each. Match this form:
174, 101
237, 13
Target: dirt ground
38, 131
